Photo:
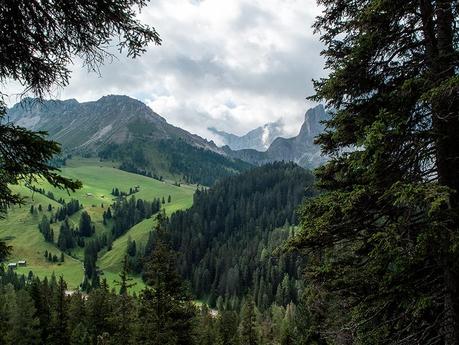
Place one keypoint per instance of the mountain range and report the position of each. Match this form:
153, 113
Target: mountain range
127, 131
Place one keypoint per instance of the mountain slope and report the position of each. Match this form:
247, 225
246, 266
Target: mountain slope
126, 130
92, 125
300, 149
257, 139
227, 239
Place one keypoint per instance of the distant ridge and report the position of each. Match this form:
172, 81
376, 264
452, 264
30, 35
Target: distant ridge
257, 139
299, 149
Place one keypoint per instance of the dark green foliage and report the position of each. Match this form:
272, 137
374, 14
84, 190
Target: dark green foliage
166, 311
131, 249
46, 230
85, 228
383, 238
34, 311
228, 238
68, 209
249, 334
21, 327
90, 258
195, 165
198, 165
128, 212
227, 325
67, 239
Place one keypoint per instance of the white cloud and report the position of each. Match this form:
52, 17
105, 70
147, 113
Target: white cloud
232, 64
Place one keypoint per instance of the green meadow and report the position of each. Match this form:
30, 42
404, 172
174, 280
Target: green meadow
20, 226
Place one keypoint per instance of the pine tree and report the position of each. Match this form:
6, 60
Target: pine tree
99, 309
124, 308
22, 323
227, 328
248, 326
59, 317
85, 227
382, 241
166, 309
77, 321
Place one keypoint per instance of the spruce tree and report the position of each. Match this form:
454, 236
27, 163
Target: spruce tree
166, 311
59, 316
124, 310
227, 328
22, 322
85, 227
248, 326
382, 240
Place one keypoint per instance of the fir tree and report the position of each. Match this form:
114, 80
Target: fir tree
22, 322
382, 241
249, 334
166, 307
85, 227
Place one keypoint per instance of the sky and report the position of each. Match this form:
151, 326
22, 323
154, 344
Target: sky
230, 64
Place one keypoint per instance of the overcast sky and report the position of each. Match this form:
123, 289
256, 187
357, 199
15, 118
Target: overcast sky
232, 64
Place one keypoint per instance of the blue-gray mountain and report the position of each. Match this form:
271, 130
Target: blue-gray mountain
300, 149
257, 139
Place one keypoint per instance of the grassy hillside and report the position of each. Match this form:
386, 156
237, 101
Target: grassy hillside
20, 227
20, 230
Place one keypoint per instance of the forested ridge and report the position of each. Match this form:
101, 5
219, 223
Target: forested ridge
228, 238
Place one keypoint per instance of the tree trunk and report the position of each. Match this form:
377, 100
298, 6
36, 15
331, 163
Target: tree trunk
445, 121
438, 34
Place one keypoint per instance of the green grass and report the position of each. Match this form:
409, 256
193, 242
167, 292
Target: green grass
20, 228
99, 180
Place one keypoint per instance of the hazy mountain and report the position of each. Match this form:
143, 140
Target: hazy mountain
300, 149
257, 139
126, 130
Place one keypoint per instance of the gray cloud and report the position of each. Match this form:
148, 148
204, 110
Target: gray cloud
230, 64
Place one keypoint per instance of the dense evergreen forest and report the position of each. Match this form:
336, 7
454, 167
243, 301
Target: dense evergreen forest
228, 238
34, 311
193, 164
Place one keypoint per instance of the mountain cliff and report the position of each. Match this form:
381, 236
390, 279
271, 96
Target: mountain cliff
257, 139
126, 130
300, 149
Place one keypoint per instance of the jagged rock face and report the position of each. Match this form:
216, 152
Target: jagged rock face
257, 139
90, 126
300, 149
